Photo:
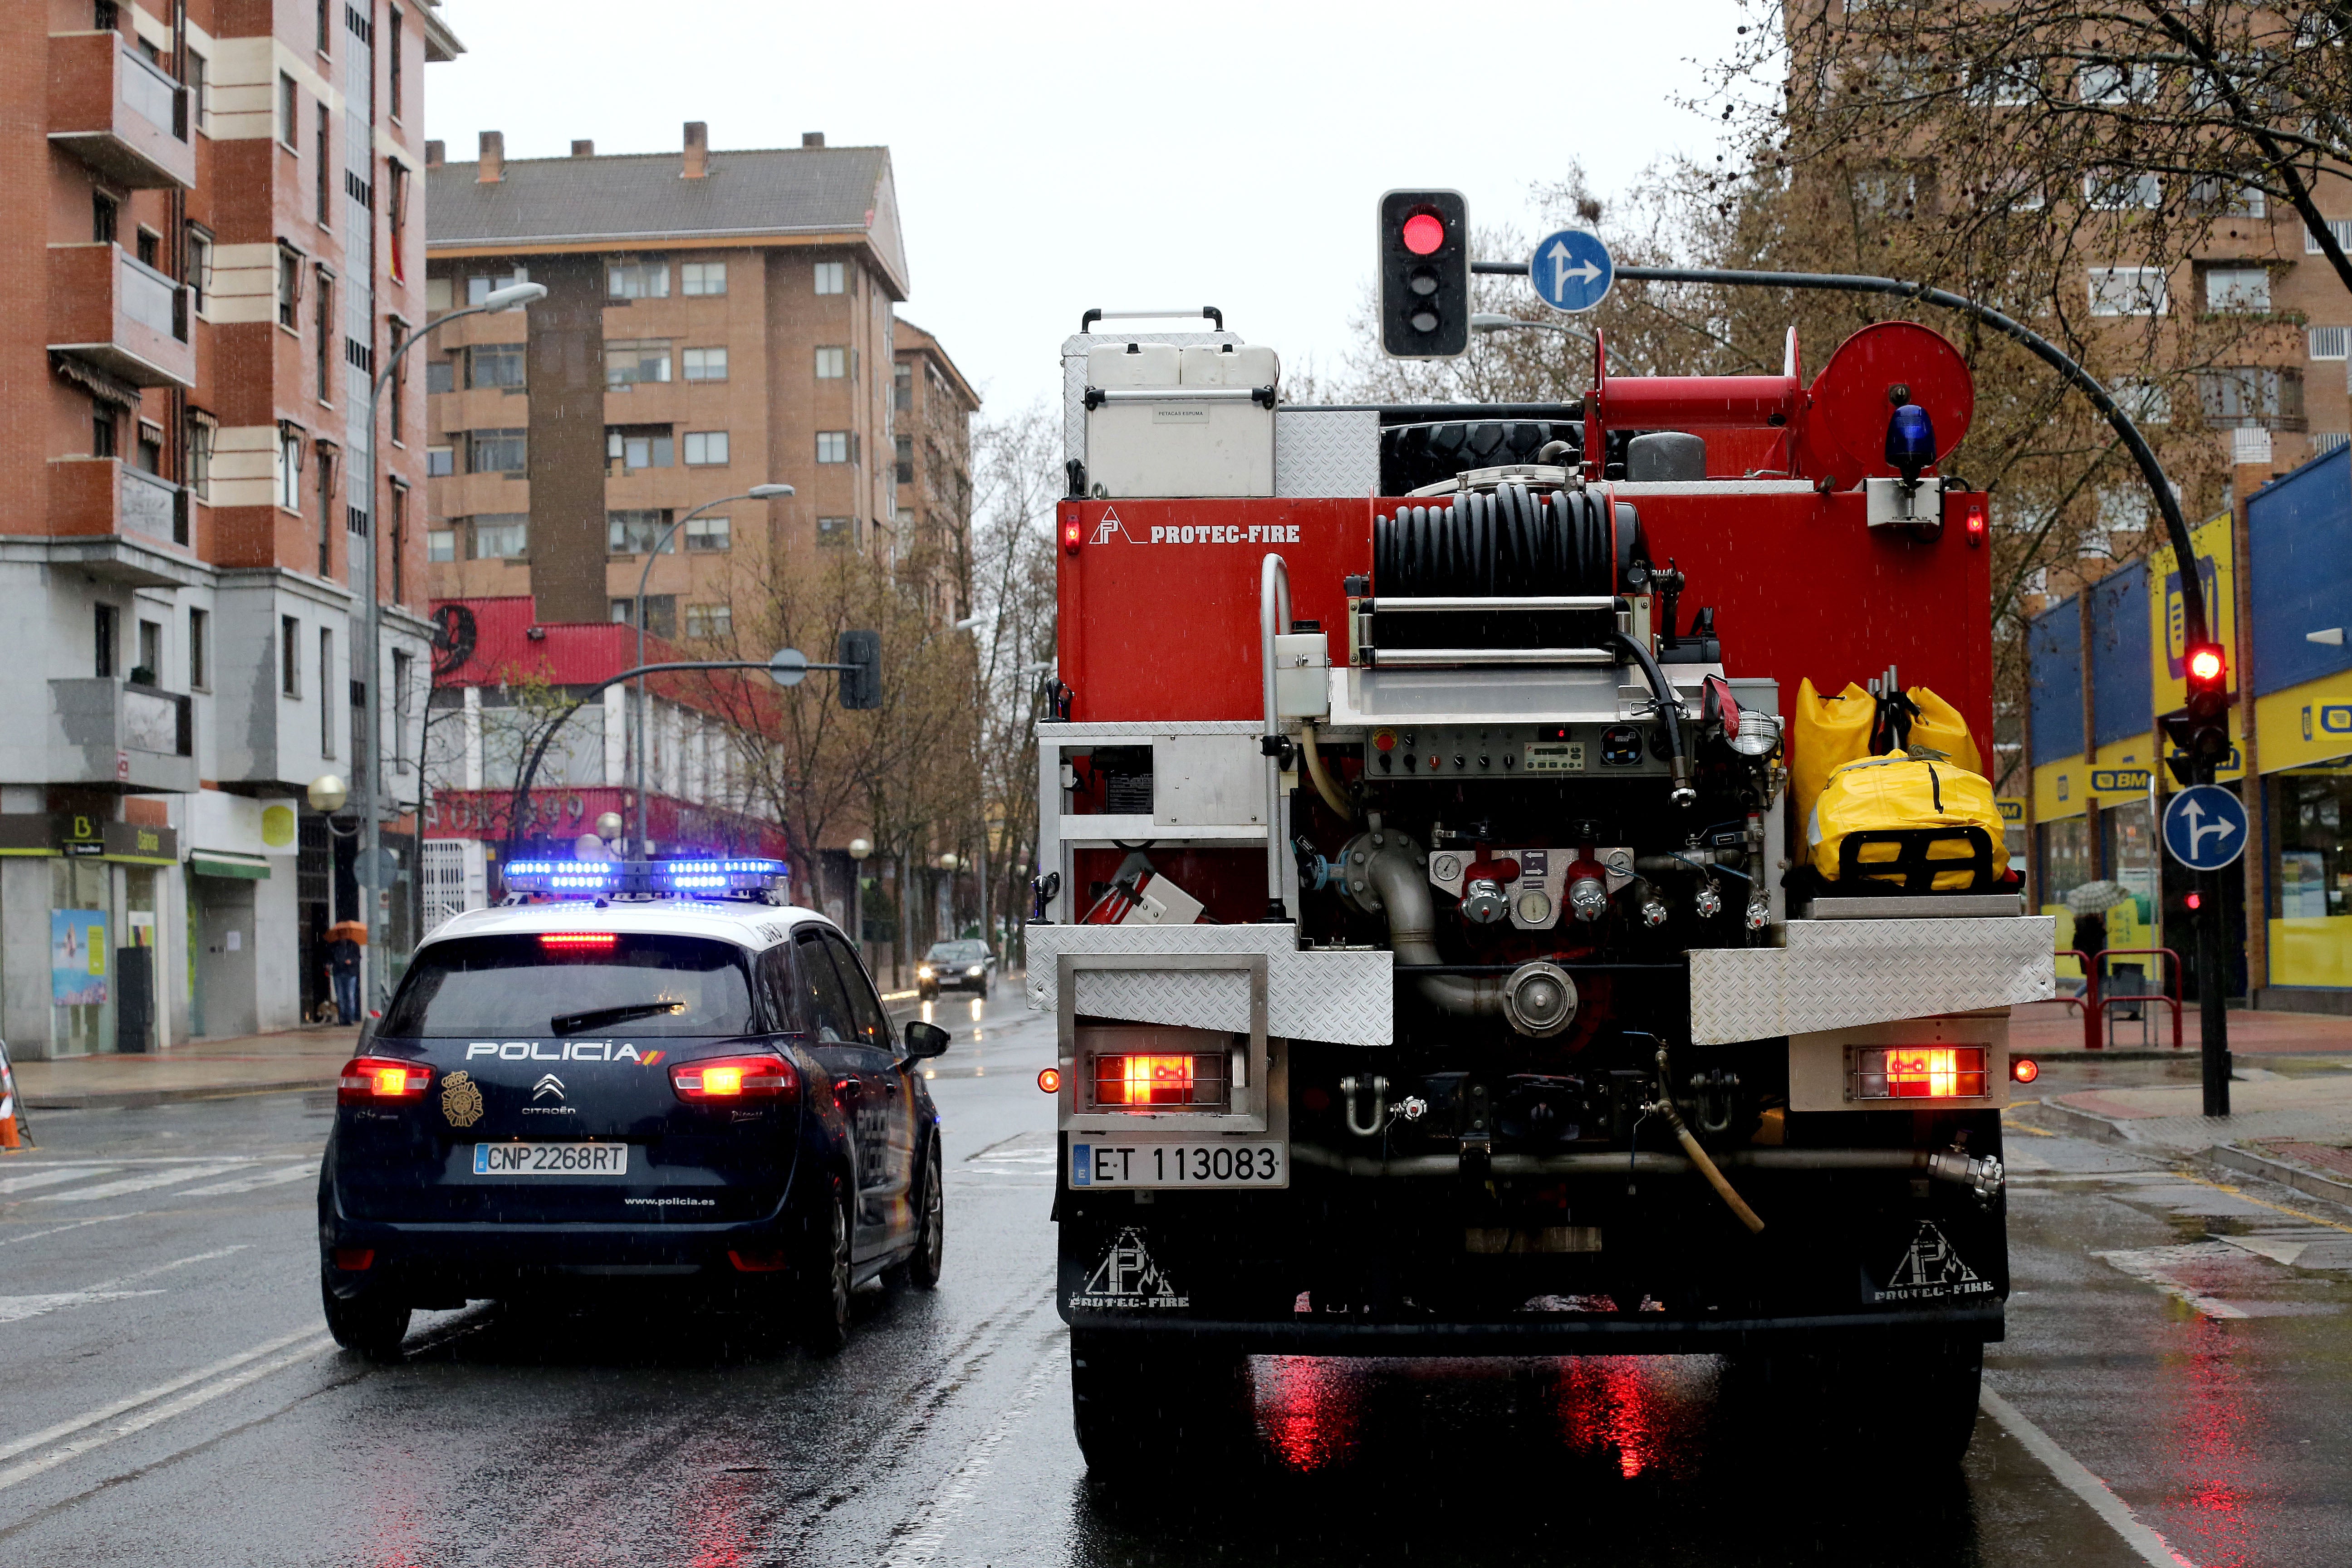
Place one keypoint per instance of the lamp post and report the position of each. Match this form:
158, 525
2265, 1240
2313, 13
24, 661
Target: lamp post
757, 492
514, 296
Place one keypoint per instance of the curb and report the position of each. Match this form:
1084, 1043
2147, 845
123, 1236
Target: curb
137, 1098
2229, 1158
2087, 1123
2077, 1054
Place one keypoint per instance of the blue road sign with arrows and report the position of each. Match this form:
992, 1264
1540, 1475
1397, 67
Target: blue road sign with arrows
1571, 269
2205, 827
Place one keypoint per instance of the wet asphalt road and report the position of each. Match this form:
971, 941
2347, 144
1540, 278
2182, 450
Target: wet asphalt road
167, 1395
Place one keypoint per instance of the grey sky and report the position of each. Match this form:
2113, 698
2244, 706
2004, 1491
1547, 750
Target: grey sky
1054, 156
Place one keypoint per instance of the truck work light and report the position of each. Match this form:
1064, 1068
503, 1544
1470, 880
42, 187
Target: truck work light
1919, 1072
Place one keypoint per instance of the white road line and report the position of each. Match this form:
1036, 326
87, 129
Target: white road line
2153, 1548
16, 1309
61, 1229
68, 1427
137, 1183
250, 1184
921, 1537
51, 1178
310, 1347
45, 1162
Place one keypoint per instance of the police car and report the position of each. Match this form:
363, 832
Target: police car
660, 1075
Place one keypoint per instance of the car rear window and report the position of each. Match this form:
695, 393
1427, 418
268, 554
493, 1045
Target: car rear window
569, 984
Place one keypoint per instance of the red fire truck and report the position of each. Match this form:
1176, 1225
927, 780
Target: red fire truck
1438, 961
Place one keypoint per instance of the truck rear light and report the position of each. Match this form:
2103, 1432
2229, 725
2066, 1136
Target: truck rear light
2024, 1069
1072, 531
735, 1078
377, 1080
1050, 1081
1156, 1081
1919, 1072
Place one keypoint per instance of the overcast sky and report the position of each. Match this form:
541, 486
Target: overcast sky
1053, 156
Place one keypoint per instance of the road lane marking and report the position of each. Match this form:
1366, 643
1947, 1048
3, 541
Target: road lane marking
2076, 1477
250, 1184
72, 1425
138, 1184
2275, 1209
15, 1309
61, 1229
51, 1178
313, 1341
922, 1536
2148, 1265
44, 1162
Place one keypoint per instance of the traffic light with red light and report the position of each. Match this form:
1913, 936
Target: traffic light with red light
2199, 734
1424, 274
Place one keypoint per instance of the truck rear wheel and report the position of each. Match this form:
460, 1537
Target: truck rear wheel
1145, 1402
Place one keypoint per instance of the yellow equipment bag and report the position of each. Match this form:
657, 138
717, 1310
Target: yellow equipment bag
1939, 726
1828, 733
1912, 824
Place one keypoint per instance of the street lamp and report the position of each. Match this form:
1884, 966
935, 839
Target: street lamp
513, 297
1487, 321
757, 492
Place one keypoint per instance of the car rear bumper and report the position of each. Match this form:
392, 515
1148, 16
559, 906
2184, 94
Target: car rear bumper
1612, 1333
460, 1261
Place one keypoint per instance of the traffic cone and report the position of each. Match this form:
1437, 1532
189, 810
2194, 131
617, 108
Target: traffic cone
9, 1137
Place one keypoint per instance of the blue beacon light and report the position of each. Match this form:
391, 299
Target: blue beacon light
1910, 442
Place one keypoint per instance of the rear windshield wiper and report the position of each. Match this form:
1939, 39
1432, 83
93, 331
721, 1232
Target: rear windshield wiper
565, 1022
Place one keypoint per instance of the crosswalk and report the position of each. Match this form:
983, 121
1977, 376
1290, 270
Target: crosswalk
32, 1185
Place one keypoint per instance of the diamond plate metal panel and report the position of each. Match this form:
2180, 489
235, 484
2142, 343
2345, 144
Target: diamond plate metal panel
1327, 451
1834, 973
1347, 998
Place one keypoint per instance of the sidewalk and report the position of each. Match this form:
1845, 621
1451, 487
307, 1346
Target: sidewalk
2295, 1131
209, 1069
2052, 1028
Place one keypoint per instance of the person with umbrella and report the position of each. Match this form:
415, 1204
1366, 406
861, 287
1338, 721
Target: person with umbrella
344, 939
2090, 904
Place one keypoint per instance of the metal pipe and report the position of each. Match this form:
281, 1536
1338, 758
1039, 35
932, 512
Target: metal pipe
1670, 709
1448, 602
1315, 771
638, 708
1273, 619
1396, 874
1944, 1165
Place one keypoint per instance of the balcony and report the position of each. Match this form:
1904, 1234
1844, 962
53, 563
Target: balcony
114, 522
117, 113
109, 309
113, 733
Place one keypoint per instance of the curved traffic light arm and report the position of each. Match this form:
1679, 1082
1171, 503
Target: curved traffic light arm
2192, 589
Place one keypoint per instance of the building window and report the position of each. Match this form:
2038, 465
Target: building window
906, 455
2255, 398
495, 451
637, 280
710, 620
289, 470
702, 278
2238, 290
2120, 190
833, 445
633, 533
200, 267
639, 445
440, 375
326, 690
831, 530
2341, 228
629, 362
440, 462
479, 287
289, 656
495, 364
394, 76
395, 333
832, 278
661, 614
1886, 193
401, 666
708, 535
2329, 342
902, 388
200, 97
399, 494
200, 458
147, 457
289, 287
149, 670
105, 217
326, 335
502, 536
2128, 291
326, 167
150, 248
327, 510
832, 364
289, 124
706, 364
705, 448
440, 545
200, 631
103, 441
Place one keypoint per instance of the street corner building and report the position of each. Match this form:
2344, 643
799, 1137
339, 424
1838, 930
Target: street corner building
2105, 670
216, 219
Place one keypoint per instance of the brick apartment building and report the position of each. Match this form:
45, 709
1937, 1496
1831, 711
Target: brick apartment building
715, 320
217, 225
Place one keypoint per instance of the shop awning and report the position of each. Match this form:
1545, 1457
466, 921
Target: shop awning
228, 863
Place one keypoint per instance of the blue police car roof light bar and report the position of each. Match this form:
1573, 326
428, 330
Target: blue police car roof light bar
678, 879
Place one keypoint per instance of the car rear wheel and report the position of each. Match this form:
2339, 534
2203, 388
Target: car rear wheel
1143, 1407
371, 1322
821, 1290
931, 1217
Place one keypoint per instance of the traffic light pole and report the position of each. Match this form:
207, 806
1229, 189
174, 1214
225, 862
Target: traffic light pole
2213, 1011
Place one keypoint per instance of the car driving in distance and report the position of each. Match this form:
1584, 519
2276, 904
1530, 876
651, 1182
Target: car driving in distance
966, 965
659, 1079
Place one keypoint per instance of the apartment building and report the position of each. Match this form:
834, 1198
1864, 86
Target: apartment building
216, 221
715, 320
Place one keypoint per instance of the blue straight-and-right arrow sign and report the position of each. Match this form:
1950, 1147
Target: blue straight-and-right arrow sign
2205, 827
1571, 269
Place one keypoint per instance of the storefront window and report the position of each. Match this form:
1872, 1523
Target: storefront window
2066, 866
81, 954
2311, 925
2131, 860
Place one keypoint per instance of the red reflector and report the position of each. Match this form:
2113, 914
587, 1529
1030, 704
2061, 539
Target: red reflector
578, 938
756, 1262
1072, 531
734, 1077
2196, 901
2024, 1069
354, 1260
1050, 1081
2205, 664
373, 1081
1424, 232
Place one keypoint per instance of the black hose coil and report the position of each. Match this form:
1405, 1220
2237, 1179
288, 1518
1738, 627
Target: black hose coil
1512, 543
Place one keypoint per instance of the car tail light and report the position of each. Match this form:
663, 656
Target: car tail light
570, 940
378, 1080
735, 1078
354, 1260
1149, 1081
2024, 1069
756, 1262
1919, 1072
